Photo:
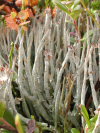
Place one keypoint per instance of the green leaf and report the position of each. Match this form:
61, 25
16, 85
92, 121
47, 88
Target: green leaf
68, 21
14, 76
1, 123
8, 116
18, 124
2, 108
94, 119
90, 128
72, 40
10, 55
36, 130
76, 2
67, 3
92, 124
74, 14
85, 35
61, 6
74, 130
78, 7
5, 131
85, 115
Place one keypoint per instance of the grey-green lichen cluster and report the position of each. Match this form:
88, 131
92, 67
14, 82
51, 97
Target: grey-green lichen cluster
51, 67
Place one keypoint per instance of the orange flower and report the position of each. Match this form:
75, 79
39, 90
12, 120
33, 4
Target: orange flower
53, 12
31, 2
8, 0
2, 6
23, 15
18, 2
11, 23
29, 12
7, 9
16, 19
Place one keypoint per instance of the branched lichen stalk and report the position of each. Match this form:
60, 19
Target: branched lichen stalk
91, 82
46, 75
99, 56
8, 88
60, 74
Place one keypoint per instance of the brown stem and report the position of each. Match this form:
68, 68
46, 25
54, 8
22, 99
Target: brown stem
5, 127
13, 1
10, 4
3, 13
68, 105
7, 124
67, 109
97, 86
30, 7
76, 28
